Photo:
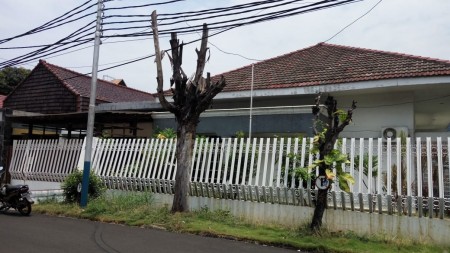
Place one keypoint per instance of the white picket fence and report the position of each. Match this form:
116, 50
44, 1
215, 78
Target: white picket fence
258, 169
44, 160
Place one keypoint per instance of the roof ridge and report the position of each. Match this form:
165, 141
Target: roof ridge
84, 75
345, 47
68, 86
417, 57
269, 59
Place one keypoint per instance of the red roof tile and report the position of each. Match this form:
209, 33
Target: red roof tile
80, 84
2, 98
332, 64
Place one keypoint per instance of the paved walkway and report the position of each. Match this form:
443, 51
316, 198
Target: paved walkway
41, 233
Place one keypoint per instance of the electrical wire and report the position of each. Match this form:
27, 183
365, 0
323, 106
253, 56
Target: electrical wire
216, 10
354, 21
197, 17
252, 19
77, 38
143, 5
220, 26
184, 15
229, 53
270, 17
49, 23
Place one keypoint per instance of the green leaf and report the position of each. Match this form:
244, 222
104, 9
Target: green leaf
344, 185
348, 177
341, 114
330, 174
317, 162
303, 173
345, 179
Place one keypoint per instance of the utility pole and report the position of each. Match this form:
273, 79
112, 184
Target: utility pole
251, 104
91, 112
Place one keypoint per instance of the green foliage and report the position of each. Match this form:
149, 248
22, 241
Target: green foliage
240, 134
301, 174
305, 174
334, 159
117, 202
215, 216
342, 115
10, 77
70, 186
335, 156
366, 164
345, 179
167, 133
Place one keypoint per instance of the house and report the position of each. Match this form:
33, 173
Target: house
394, 93
53, 98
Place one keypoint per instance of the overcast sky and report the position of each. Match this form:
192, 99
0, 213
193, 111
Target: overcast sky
416, 27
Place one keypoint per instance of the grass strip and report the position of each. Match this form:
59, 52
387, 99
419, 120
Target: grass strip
137, 209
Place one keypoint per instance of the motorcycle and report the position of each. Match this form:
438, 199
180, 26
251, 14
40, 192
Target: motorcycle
15, 196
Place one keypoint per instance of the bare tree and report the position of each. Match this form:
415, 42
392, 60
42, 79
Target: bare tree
190, 98
325, 138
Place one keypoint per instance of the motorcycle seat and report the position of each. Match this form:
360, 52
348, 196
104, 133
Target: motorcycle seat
11, 188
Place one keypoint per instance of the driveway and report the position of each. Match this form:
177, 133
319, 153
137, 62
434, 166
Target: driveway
41, 233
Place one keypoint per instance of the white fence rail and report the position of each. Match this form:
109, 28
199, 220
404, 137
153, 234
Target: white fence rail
412, 174
44, 160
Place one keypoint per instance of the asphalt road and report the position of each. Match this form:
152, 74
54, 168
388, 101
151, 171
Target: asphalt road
41, 233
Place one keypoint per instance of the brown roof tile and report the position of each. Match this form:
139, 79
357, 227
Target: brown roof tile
2, 98
332, 64
80, 84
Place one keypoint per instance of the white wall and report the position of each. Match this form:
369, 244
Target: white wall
377, 111
38, 185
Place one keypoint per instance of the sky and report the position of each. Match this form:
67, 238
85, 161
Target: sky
415, 27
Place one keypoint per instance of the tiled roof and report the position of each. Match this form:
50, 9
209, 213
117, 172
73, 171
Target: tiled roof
332, 64
2, 98
80, 84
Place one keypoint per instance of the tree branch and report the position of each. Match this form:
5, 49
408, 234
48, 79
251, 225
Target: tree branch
210, 93
201, 55
159, 76
348, 119
316, 113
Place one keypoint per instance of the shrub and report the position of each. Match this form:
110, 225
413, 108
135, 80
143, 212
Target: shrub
167, 133
70, 185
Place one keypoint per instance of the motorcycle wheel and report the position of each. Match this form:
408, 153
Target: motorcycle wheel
24, 208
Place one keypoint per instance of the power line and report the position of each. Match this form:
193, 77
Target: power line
236, 22
78, 38
143, 5
47, 24
211, 24
220, 26
225, 52
229, 28
354, 21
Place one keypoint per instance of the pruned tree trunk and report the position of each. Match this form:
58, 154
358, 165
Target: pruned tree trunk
185, 147
321, 205
334, 128
190, 99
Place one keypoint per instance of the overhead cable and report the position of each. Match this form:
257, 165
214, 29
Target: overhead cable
49, 23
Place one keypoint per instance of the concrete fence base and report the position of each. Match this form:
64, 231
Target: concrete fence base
404, 227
